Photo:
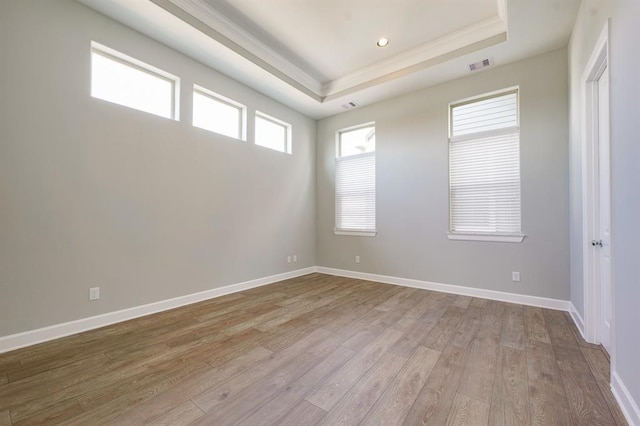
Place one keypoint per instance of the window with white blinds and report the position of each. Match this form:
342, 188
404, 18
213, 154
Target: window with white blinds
356, 181
484, 169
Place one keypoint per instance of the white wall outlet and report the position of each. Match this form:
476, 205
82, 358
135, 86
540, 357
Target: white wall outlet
295, 258
515, 276
94, 293
288, 259
357, 259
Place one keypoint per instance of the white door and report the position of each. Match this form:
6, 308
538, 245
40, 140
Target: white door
604, 222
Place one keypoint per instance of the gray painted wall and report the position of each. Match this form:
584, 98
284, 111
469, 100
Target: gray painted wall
412, 189
590, 21
95, 194
625, 150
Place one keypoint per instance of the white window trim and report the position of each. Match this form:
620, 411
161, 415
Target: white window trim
479, 236
500, 238
288, 132
242, 131
349, 129
129, 61
354, 232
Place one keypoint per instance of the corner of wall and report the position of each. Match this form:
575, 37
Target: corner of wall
577, 319
626, 402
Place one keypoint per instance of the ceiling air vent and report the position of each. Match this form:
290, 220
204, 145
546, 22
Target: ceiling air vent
349, 105
479, 65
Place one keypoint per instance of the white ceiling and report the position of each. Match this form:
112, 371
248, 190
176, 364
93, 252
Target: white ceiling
315, 55
333, 38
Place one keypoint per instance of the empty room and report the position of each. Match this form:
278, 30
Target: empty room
329, 212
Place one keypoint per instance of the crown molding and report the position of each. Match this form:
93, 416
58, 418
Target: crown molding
207, 19
484, 34
215, 35
502, 10
211, 37
231, 31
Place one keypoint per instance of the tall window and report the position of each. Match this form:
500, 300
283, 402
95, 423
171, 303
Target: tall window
484, 168
126, 81
272, 133
218, 114
356, 181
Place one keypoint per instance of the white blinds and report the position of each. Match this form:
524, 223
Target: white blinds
484, 166
498, 112
356, 192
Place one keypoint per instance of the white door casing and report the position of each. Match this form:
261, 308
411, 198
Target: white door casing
599, 286
603, 233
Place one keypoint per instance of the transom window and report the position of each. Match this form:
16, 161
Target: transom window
218, 114
272, 133
126, 81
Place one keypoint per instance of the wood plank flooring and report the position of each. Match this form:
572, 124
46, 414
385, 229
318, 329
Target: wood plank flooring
318, 350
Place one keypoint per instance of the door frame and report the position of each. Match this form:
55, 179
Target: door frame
598, 65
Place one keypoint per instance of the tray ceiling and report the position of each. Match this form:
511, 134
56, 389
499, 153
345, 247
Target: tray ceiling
317, 55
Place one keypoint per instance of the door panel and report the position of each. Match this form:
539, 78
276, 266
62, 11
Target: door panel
604, 223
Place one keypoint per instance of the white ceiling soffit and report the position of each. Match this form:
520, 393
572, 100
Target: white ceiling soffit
248, 43
442, 46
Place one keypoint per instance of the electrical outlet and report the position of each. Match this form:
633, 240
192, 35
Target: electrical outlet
295, 258
515, 276
357, 259
288, 259
94, 293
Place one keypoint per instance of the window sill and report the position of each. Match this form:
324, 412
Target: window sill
506, 238
355, 233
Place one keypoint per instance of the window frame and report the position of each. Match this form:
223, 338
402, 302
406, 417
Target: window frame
515, 237
338, 157
288, 129
216, 97
131, 62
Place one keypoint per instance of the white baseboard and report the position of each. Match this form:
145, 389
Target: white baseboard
626, 402
577, 320
16, 341
32, 337
542, 302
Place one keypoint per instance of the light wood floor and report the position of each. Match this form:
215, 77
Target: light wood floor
318, 350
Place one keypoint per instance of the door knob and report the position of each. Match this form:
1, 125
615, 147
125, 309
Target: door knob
596, 243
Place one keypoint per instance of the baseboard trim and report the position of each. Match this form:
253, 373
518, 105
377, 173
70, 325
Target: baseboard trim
577, 320
626, 402
541, 302
32, 337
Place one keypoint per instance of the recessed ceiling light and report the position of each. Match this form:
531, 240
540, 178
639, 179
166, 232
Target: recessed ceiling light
383, 42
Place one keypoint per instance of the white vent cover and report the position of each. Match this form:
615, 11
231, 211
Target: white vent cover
349, 105
479, 65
